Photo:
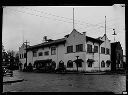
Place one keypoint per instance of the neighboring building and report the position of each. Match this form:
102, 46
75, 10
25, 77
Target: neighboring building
95, 52
124, 58
22, 55
4, 59
116, 56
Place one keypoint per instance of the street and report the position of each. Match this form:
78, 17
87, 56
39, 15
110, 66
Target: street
46, 82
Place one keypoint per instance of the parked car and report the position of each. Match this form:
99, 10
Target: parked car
7, 72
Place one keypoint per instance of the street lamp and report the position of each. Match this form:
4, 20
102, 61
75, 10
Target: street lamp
77, 62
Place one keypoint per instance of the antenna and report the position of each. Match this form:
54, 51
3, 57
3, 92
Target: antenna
73, 18
114, 34
23, 36
105, 31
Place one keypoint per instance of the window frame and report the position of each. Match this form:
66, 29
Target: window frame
107, 51
103, 48
71, 64
40, 54
45, 53
70, 49
53, 50
79, 48
34, 53
95, 49
102, 65
89, 50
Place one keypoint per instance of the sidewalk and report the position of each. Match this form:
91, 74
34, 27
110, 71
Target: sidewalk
14, 78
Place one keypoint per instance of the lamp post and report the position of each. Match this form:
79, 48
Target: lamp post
77, 63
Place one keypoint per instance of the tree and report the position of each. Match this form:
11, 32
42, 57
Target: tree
3, 50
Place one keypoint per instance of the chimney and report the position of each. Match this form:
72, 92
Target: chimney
45, 38
84, 33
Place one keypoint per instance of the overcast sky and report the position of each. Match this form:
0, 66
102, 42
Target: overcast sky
31, 23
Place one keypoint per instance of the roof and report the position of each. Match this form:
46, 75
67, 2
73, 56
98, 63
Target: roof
54, 42
93, 39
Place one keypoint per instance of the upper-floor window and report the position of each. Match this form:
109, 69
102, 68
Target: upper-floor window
79, 47
53, 50
89, 48
40, 54
96, 49
69, 49
46, 53
22, 55
103, 50
34, 53
25, 55
107, 51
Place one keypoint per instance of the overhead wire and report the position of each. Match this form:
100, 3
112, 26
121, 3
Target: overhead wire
88, 24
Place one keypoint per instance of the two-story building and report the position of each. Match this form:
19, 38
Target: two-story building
22, 55
94, 52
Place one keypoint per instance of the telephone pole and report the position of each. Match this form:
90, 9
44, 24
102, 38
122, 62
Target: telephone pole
73, 18
26, 50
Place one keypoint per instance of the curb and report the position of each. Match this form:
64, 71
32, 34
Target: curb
20, 80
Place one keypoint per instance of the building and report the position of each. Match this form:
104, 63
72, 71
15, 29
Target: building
116, 56
94, 52
5, 59
22, 55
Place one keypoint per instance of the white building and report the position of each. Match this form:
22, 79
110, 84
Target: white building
66, 49
22, 54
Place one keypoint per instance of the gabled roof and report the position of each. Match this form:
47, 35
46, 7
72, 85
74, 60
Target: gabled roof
54, 42
93, 39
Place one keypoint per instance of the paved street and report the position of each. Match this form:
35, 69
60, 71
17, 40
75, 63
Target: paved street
46, 82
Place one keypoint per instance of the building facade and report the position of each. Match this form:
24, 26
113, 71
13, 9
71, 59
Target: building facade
94, 52
22, 55
116, 56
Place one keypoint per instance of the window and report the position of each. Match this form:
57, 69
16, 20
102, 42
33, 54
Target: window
103, 50
96, 49
25, 55
102, 64
34, 53
61, 64
69, 49
90, 62
53, 50
108, 62
22, 55
46, 53
89, 48
107, 51
70, 64
40, 53
79, 47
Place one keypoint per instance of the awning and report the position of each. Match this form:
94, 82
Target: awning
108, 61
78, 60
90, 60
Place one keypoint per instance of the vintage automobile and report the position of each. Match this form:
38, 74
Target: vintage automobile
7, 72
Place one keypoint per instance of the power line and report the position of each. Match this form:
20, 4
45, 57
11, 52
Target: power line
87, 26
93, 25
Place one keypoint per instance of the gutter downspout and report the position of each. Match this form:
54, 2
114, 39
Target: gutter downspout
99, 57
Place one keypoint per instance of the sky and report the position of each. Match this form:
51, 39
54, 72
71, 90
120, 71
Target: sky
32, 23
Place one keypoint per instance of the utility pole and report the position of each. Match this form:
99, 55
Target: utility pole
26, 50
114, 34
73, 18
